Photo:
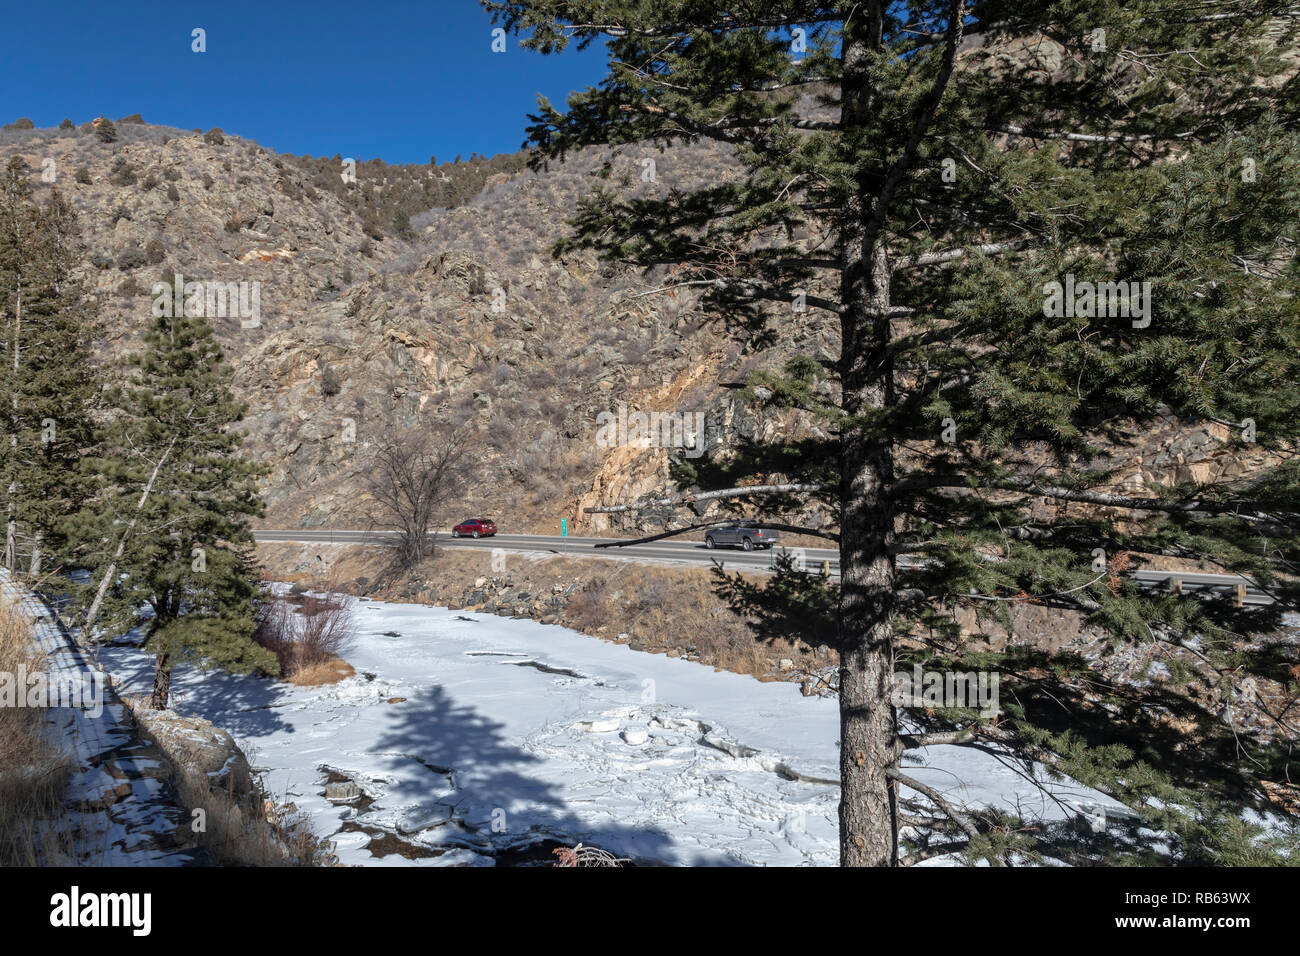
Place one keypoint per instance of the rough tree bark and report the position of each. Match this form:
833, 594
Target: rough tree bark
869, 744
162, 683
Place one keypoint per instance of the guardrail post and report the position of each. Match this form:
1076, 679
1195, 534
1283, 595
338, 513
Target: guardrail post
1240, 595
1176, 585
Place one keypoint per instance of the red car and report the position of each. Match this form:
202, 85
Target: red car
475, 528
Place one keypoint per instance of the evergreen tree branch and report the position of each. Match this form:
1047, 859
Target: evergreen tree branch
884, 198
962, 820
1246, 510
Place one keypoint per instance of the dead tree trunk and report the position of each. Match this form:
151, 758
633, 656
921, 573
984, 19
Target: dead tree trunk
111, 570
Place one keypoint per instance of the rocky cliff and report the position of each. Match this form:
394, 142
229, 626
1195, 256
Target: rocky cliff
468, 320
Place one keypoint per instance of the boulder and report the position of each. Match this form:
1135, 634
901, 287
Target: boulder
343, 792
195, 744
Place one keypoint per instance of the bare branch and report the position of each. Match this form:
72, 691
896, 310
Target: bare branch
929, 852
765, 525
1084, 137
937, 258
754, 291
962, 820
916, 741
707, 496
1239, 508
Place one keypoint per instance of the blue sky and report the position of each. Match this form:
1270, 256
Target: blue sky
397, 80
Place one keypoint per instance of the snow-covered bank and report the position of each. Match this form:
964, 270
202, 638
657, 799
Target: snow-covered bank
472, 734
121, 808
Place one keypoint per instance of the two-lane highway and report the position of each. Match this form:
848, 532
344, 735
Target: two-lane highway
678, 551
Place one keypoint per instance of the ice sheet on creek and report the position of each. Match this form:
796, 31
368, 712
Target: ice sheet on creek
656, 759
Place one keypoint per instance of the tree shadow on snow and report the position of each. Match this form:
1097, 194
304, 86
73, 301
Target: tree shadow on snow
495, 798
242, 705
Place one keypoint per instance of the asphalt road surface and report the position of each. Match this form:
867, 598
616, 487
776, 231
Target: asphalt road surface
686, 552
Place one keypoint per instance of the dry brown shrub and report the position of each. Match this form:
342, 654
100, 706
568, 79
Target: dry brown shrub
308, 634
585, 856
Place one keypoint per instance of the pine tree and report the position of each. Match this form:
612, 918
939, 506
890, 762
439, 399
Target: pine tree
174, 534
919, 176
402, 224
47, 383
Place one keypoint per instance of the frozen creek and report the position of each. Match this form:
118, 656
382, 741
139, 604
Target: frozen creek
472, 739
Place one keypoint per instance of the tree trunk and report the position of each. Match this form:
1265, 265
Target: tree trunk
162, 682
869, 745
111, 570
11, 550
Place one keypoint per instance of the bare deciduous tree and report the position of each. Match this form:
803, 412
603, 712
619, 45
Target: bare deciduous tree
413, 475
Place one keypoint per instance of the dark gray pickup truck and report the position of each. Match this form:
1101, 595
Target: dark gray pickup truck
742, 535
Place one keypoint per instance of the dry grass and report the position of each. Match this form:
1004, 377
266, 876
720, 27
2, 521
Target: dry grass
34, 821
319, 673
236, 822
250, 830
